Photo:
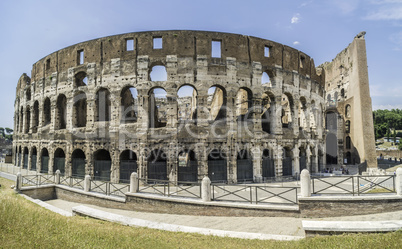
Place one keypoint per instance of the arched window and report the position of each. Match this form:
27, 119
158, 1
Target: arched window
103, 105
268, 166
244, 166
348, 111
347, 126
28, 94
217, 165
287, 162
188, 166
157, 165
267, 101
129, 105
22, 120
61, 112
128, 165
216, 103
59, 161
187, 103
102, 165
157, 108
44, 161
28, 117
34, 158
158, 73
80, 110
265, 79
302, 113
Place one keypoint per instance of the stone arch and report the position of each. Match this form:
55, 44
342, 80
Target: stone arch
28, 94
44, 161
287, 106
347, 126
348, 110
28, 118
61, 112
103, 105
187, 103
348, 157
21, 119
268, 166
80, 110
102, 165
46, 112
34, 158
80, 79
244, 166
217, 165
216, 101
268, 100
59, 161
157, 107
244, 99
35, 117
26, 155
78, 163
348, 143
332, 148
157, 165
287, 169
129, 105
128, 165
302, 108
187, 166
158, 72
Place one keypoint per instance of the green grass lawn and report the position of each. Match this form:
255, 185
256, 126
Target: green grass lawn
26, 225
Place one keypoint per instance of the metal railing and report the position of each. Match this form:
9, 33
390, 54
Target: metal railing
353, 185
37, 180
73, 182
168, 188
255, 194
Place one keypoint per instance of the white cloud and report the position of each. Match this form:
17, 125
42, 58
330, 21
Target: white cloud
388, 13
295, 18
346, 6
296, 43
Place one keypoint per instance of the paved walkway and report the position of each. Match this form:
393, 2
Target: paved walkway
265, 225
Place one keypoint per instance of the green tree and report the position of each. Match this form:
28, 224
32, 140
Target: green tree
9, 131
2, 132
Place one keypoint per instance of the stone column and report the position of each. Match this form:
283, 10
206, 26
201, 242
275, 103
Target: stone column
29, 159
276, 116
295, 117
296, 161
278, 158
257, 163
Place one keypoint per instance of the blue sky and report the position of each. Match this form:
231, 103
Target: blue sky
31, 30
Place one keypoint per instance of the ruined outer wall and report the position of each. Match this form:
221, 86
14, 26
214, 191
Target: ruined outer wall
349, 71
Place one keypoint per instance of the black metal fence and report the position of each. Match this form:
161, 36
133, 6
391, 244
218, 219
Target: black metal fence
168, 188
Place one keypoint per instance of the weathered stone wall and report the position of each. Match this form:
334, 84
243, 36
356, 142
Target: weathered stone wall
46, 105
348, 94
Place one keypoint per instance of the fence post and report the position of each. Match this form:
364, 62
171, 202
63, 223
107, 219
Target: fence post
18, 181
398, 181
87, 183
134, 183
305, 187
57, 177
206, 189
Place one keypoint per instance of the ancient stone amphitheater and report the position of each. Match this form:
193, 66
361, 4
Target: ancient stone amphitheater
177, 105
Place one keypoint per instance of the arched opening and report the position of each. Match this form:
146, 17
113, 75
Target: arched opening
243, 104
103, 105
157, 108
102, 165
343, 93
332, 149
244, 166
46, 112
268, 166
61, 112
347, 111
59, 161
302, 114
188, 166
80, 79
78, 164
331, 121
34, 158
216, 103
80, 110
287, 162
128, 165
129, 105
266, 80
266, 114
302, 159
26, 155
217, 166
348, 157
35, 118
158, 73
22, 120
28, 94
287, 104
28, 117
44, 168
187, 103
19, 157
348, 143
157, 167
347, 126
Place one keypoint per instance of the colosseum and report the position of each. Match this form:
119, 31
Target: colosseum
181, 105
